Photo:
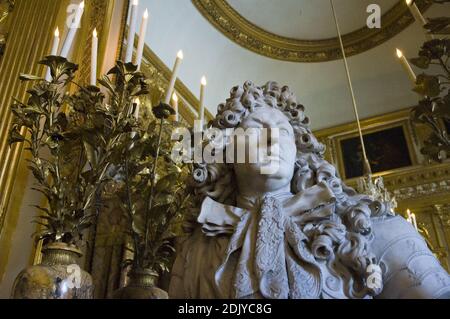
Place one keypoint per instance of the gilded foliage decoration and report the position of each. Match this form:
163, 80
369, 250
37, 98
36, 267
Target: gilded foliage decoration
433, 85
81, 143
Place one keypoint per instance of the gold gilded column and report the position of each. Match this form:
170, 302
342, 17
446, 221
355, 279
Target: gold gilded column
29, 39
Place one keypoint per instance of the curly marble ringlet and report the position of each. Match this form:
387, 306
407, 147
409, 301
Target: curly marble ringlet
300, 232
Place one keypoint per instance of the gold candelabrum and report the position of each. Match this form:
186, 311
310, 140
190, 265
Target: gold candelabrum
81, 142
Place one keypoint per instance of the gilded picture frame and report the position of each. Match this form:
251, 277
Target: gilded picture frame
384, 138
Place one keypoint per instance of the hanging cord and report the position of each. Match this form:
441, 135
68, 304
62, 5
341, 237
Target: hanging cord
367, 169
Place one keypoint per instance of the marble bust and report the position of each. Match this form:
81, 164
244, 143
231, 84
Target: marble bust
299, 233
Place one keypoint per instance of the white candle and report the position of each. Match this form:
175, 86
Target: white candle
68, 42
414, 221
175, 106
173, 79
56, 40
406, 66
142, 33
135, 112
202, 102
132, 31
137, 108
418, 16
94, 53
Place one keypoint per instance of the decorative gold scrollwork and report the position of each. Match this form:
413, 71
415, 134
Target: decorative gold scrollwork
243, 32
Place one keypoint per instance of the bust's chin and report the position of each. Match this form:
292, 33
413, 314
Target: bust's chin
276, 183
265, 178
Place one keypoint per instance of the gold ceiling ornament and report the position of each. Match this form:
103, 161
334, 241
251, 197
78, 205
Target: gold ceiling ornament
228, 21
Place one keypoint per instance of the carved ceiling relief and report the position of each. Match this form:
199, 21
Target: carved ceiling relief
243, 32
6, 7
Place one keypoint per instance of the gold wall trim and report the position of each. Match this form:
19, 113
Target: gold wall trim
421, 181
228, 21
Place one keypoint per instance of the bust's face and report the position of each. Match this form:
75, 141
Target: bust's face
270, 172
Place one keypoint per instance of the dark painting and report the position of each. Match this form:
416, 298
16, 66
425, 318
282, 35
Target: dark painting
386, 150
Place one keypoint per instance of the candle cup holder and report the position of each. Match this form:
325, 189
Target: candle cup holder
163, 111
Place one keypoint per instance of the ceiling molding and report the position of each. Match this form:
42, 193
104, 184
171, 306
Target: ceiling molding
241, 31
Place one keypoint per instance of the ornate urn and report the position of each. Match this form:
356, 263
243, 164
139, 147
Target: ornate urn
58, 276
142, 285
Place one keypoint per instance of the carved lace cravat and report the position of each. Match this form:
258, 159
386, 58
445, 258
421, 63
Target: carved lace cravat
270, 265
258, 261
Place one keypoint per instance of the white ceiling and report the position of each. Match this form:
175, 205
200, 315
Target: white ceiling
307, 19
380, 83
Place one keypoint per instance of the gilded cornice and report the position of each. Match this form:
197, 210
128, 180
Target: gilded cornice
228, 21
421, 182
